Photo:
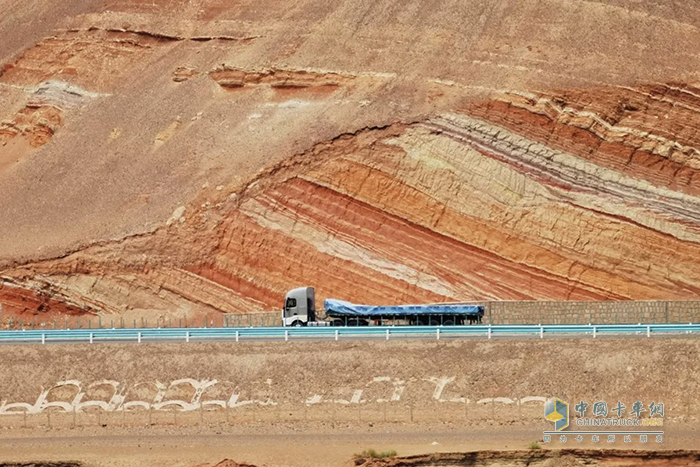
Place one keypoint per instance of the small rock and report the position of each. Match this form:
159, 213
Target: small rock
183, 73
178, 215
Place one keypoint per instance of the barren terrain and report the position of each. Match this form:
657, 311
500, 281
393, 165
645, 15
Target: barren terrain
317, 404
327, 448
181, 157
188, 158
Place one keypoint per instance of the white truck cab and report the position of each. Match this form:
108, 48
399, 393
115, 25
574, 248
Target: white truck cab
299, 307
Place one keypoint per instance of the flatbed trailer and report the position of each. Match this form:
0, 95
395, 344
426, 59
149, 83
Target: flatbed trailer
299, 310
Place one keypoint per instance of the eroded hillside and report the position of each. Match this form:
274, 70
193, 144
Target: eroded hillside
195, 157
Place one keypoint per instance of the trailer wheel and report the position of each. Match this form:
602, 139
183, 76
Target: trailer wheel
448, 322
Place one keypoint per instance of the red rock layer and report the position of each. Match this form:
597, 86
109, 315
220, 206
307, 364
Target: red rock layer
93, 59
563, 196
25, 303
35, 123
386, 257
278, 78
647, 132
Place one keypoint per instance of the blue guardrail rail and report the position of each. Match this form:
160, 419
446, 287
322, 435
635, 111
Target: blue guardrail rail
46, 336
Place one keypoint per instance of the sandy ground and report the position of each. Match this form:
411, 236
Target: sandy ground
287, 444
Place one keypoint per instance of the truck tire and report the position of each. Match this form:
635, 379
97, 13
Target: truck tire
298, 323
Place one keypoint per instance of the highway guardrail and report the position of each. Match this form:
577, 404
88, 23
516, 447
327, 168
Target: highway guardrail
139, 335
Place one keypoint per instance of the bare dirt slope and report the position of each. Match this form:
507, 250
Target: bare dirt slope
317, 404
202, 156
478, 377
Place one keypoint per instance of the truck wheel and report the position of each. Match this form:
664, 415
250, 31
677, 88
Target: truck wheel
448, 322
297, 323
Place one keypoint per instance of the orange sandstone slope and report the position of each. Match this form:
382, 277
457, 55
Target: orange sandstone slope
194, 156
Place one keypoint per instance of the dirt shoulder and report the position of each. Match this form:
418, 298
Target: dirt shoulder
274, 445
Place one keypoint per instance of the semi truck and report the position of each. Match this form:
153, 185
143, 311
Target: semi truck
300, 310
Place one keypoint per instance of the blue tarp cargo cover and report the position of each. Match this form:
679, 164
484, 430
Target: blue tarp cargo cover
339, 308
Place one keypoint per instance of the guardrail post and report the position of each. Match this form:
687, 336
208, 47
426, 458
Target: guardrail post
236, 336
336, 334
648, 331
437, 333
286, 335
387, 334
187, 336
594, 330
91, 338
541, 332
43, 338
139, 337
489, 332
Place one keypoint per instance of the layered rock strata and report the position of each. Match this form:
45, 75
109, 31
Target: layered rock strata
528, 196
193, 157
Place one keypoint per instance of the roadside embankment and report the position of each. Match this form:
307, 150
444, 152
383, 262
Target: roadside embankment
470, 381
